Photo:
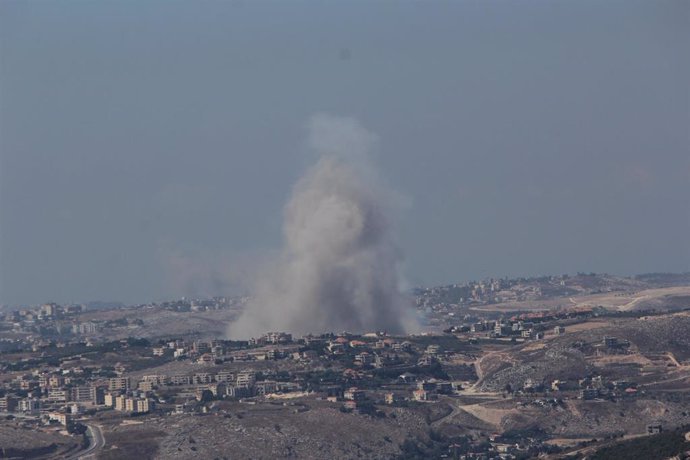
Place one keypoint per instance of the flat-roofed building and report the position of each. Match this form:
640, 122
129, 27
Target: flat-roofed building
225, 376
265, 387
120, 403
156, 379
246, 378
145, 385
354, 394
158, 351
83, 394
55, 381
29, 405
119, 384
58, 395
142, 405
201, 378
180, 380
8, 404
61, 418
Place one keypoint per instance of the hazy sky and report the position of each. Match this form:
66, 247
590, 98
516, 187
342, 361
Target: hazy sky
148, 147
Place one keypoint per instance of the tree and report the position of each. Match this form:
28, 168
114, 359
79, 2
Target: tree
206, 396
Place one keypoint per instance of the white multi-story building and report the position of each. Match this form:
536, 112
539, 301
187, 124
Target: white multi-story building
85, 328
62, 419
277, 337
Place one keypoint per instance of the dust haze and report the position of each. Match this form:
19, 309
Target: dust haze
339, 268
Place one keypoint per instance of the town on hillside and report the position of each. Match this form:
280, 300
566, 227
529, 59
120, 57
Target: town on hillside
504, 368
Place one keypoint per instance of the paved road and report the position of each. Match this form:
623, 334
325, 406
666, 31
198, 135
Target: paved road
93, 433
96, 443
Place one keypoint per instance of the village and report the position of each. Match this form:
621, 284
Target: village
482, 382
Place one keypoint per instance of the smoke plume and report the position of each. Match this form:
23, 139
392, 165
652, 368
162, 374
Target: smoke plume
339, 267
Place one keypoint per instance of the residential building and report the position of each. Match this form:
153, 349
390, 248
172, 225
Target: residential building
155, 379
119, 384
277, 337
200, 347
501, 329
83, 394
58, 395
245, 378
423, 395
158, 351
29, 405
120, 402
354, 394
225, 376
610, 342
62, 419
427, 385
180, 380
142, 405
364, 358
201, 378
85, 328
654, 429
265, 388
236, 391
56, 381
8, 404
145, 385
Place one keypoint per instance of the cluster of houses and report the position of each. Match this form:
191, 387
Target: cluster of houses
56, 394
428, 390
507, 328
51, 318
352, 398
588, 388
64, 390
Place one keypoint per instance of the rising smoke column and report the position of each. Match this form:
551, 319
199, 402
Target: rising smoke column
339, 267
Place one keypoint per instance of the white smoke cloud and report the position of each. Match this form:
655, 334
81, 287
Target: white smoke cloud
340, 267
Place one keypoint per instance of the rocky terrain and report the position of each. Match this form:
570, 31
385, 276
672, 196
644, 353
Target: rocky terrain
18, 440
316, 429
581, 353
